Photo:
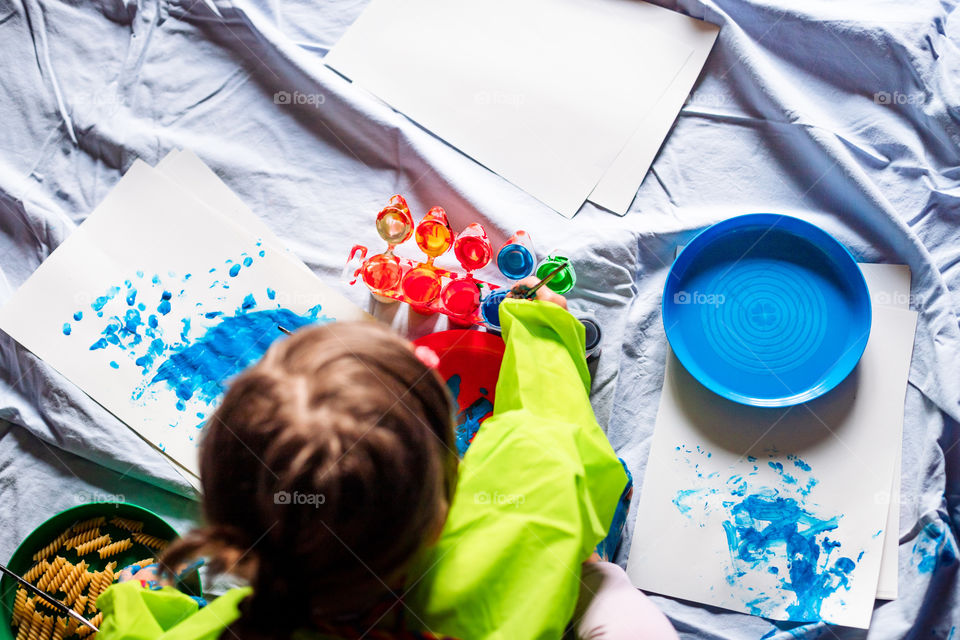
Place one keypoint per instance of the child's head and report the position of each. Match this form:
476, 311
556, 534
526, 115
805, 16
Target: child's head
328, 466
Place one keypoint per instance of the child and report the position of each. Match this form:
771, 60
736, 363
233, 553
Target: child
331, 484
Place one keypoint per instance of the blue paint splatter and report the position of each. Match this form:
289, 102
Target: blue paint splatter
468, 420
234, 270
764, 527
100, 302
193, 366
247, 261
164, 307
156, 349
684, 496
770, 532
66, 328
934, 547
262, 253
201, 369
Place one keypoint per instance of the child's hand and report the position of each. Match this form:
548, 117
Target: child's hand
543, 293
148, 575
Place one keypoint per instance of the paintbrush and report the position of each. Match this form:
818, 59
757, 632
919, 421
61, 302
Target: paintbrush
59, 606
285, 330
527, 293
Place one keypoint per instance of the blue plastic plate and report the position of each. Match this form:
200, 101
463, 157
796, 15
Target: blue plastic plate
767, 310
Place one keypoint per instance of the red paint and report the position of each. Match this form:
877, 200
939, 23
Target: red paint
472, 248
381, 273
421, 285
461, 297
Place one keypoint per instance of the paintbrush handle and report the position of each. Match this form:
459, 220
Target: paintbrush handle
533, 290
48, 598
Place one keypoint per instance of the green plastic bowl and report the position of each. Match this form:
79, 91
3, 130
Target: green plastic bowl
43, 535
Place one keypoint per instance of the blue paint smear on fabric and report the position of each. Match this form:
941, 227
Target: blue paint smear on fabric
113, 363
78, 316
131, 297
249, 302
933, 547
763, 527
247, 261
66, 328
468, 420
271, 294
234, 270
200, 369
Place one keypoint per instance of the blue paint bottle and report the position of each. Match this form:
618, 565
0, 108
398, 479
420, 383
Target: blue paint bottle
490, 308
515, 258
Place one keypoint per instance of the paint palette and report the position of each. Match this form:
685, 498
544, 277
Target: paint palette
427, 288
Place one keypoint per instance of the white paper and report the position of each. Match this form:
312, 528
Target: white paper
191, 174
619, 184
152, 234
889, 285
837, 456
544, 92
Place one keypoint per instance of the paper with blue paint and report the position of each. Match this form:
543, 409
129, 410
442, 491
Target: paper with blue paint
775, 512
156, 301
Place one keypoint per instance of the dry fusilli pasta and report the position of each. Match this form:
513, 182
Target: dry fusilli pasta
115, 548
150, 541
50, 548
88, 524
126, 523
80, 538
93, 545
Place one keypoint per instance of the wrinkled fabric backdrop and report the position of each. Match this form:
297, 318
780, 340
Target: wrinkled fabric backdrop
846, 114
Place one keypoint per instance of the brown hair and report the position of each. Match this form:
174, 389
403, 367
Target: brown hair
326, 469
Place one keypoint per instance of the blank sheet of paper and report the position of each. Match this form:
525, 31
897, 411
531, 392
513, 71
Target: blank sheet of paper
544, 92
776, 512
617, 188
